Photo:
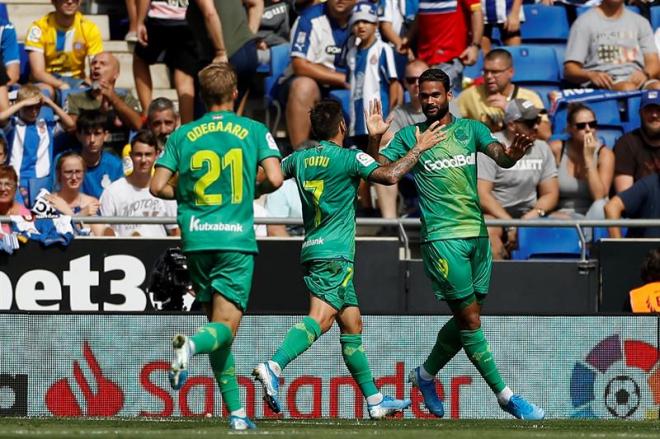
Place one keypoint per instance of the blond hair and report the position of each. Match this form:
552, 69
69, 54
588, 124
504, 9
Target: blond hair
218, 84
27, 91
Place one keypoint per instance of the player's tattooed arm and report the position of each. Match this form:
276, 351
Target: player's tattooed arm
393, 172
507, 157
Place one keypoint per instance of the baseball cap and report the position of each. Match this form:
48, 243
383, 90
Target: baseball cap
364, 11
520, 109
650, 97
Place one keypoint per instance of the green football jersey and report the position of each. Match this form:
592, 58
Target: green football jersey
216, 158
446, 178
327, 177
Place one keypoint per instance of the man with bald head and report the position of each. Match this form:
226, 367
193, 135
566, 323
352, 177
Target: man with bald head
120, 106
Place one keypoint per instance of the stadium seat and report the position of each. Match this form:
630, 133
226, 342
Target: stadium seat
633, 113
344, 97
536, 68
547, 242
3, 12
655, 17
25, 64
544, 24
279, 61
609, 135
611, 115
475, 71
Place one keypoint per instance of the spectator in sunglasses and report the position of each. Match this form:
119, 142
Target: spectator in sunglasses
585, 167
528, 190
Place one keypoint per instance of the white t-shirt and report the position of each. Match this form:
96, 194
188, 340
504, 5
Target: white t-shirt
260, 230
123, 199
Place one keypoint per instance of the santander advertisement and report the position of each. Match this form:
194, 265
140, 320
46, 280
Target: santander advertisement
113, 365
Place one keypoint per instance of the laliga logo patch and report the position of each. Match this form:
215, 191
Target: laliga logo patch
617, 379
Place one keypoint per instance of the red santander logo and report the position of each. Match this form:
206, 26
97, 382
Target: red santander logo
107, 401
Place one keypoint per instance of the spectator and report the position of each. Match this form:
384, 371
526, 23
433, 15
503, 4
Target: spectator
274, 28
162, 120
637, 153
102, 168
486, 102
132, 11
59, 43
318, 38
69, 200
441, 32
647, 297
29, 136
505, 16
4, 92
395, 19
406, 114
640, 201
613, 48
8, 203
255, 12
9, 49
222, 31
285, 203
164, 36
585, 167
372, 71
528, 190
120, 107
130, 196
3, 151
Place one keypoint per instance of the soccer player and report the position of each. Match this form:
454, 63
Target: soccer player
327, 177
216, 159
455, 246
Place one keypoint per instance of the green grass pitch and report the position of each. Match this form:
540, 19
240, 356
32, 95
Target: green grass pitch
323, 428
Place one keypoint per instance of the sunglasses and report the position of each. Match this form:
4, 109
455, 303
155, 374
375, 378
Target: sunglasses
582, 125
411, 80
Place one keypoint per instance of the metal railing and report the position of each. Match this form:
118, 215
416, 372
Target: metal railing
401, 224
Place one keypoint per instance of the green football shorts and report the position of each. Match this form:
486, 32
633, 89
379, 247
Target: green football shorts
458, 267
228, 273
331, 280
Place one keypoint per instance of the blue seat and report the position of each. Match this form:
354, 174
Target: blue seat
535, 67
344, 97
544, 24
609, 114
547, 242
475, 71
279, 61
655, 17
3, 12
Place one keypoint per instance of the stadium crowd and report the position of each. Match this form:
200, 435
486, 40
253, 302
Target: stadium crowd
69, 128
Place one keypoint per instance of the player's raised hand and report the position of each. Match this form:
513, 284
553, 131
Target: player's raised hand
376, 125
521, 143
431, 137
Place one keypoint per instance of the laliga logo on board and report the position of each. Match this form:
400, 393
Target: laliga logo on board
617, 380
106, 401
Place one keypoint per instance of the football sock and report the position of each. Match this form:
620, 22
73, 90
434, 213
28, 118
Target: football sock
299, 338
447, 345
240, 413
477, 349
357, 363
504, 396
211, 337
222, 363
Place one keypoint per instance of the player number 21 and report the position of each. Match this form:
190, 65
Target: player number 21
214, 165
316, 188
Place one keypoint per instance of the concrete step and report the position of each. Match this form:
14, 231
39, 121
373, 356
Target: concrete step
118, 46
160, 75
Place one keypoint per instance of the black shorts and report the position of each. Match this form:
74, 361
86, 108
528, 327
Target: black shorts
504, 35
170, 42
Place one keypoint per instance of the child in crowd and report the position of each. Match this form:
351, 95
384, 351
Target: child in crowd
30, 135
372, 71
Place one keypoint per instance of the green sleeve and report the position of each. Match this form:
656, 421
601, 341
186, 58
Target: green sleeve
361, 164
169, 158
287, 166
266, 146
483, 136
397, 147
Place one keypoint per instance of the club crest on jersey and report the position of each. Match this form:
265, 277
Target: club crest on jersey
460, 135
374, 59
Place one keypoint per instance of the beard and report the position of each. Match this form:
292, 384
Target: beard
651, 132
438, 115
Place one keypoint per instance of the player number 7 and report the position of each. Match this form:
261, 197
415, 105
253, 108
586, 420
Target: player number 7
316, 188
